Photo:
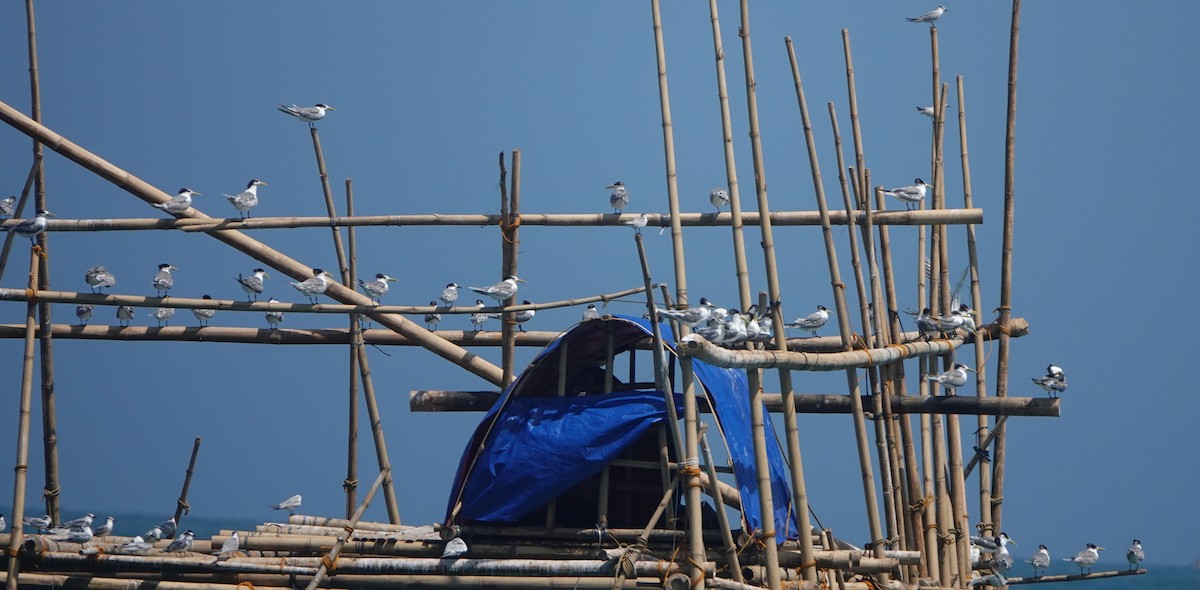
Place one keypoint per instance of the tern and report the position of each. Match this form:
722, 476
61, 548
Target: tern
309, 115
1087, 558
253, 285
1040, 561
519, 317
247, 199
1135, 555
692, 316
124, 314
1055, 371
993, 579
1054, 382
231, 544
432, 318
31, 228
952, 322
968, 316
479, 317
719, 197
82, 521
926, 325
163, 281
928, 17
168, 527
637, 223
314, 286
812, 322
619, 197
449, 295
179, 203
3, 523
154, 534
8, 206
455, 548
927, 111
203, 314
40, 523
98, 278
274, 318
290, 504
79, 535
83, 311
378, 287
137, 545
590, 313
501, 291
912, 194
952, 379
183, 543
105, 528
163, 315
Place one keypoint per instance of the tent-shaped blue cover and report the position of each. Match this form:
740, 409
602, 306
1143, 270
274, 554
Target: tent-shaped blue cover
533, 445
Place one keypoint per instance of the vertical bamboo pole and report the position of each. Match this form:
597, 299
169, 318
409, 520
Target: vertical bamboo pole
985, 475
333, 554
45, 340
350, 484
21, 467
860, 159
1010, 140
695, 534
181, 505
508, 333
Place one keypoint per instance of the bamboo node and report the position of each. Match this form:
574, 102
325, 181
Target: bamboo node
931, 526
50, 492
838, 284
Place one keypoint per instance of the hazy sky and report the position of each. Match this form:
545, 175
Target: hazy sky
183, 94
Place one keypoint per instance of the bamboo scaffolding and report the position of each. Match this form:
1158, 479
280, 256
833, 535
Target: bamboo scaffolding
1006, 260
264, 582
181, 505
21, 468
780, 218
332, 556
1075, 577
350, 484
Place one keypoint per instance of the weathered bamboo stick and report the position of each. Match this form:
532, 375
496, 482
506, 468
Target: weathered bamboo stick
780, 218
1075, 577
983, 448
731, 553
20, 208
1006, 260
381, 451
350, 484
181, 505
288, 336
333, 554
269, 582
507, 330
21, 466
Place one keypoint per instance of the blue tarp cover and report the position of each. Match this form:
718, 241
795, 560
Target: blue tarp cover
537, 447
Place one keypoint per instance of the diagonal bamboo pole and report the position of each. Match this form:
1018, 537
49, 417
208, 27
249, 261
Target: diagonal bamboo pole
21, 467
333, 554
181, 505
17, 212
350, 484
249, 246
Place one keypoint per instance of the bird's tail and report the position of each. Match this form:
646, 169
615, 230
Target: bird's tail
911, 20
479, 290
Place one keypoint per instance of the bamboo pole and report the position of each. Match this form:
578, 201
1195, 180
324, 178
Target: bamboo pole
984, 444
350, 484
245, 244
339, 250
6, 249
860, 160
21, 466
1075, 577
268, 582
181, 505
780, 218
731, 553
1010, 165
507, 330
333, 554
510, 231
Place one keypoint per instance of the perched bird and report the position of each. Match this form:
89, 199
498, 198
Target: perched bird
637, 223
168, 527
1135, 555
83, 311
290, 504
1001, 560
179, 203
247, 199
456, 547
314, 286
253, 285
952, 379
203, 314
154, 534
105, 528
449, 295
719, 197
163, 281
233, 543
1054, 382
432, 318
619, 197
1087, 558
8, 206
501, 291
378, 287
309, 115
3, 523
692, 316
98, 277
926, 325
40, 523
30, 228
183, 543
163, 315
968, 318
928, 17
82, 521
274, 318
517, 318
124, 314
137, 545
992, 579
479, 317
951, 322
912, 194
79, 535
927, 111
1040, 561
812, 322
590, 313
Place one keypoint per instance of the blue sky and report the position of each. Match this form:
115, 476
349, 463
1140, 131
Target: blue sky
183, 94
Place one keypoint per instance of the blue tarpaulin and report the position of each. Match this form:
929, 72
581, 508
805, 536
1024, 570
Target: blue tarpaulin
533, 445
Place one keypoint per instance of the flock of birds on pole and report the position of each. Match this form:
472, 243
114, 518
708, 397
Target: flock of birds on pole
992, 554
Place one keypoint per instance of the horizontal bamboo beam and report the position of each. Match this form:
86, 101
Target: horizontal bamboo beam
350, 581
811, 403
229, 334
795, 218
1045, 579
696, 346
